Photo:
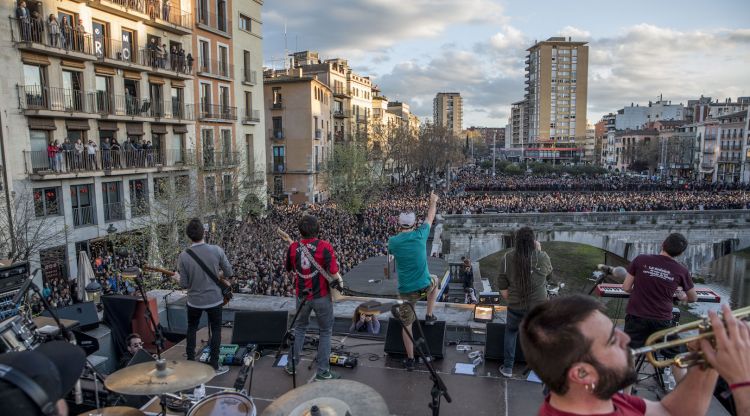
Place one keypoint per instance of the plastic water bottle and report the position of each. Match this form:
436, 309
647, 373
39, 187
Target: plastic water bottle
199, 392
669, 381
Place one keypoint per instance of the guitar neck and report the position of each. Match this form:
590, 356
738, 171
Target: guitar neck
158, 270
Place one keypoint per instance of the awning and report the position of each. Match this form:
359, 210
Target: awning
179, 129
159, 128
155, 80
41, 123
77, 124
134, 129
103, 70
178, 83
131, 75
34, 59
108, 126
72, 64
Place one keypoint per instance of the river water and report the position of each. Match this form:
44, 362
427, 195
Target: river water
729, 276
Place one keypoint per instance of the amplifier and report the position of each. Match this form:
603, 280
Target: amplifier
11, 279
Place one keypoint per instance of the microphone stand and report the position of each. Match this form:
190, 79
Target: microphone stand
289, 336
438, 386
600, 280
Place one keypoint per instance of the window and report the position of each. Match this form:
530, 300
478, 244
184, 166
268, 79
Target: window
161, 187
127, 46
206, 100
81, 199
182, 183
210, 188
276, 93
245, 23
46, 202
178, 110
248, 73
248, 104
221, 12
103, 97
223, 61
226, 146
204, 56
278, 131
36, 86
177, 148
203, 11
101, 38
139, 197
155, 93
227, 185
207, 137
72, 90
132, 105
112, 200
249, 153
278, 159
224, 99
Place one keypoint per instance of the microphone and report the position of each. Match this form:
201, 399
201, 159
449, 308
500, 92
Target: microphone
603, 267
620, 272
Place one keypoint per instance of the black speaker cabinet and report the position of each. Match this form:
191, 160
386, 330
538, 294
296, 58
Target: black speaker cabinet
435, 335
265, 328
85, 313
494, 344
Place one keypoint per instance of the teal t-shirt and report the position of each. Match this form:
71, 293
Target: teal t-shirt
410, 252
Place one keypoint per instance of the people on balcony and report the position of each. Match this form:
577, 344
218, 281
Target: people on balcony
68, 150
66, 30
116, 153
80, 36
53, 29
91, 149
52, 150
165, 9
37, 27
79, 148
190, 63
24, 20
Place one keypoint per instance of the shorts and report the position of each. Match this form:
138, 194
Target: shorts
639, 329
405, 311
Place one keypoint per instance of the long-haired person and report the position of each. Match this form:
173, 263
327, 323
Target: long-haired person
522, 283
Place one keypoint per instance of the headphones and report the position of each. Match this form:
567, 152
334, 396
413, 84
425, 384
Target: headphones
30, 388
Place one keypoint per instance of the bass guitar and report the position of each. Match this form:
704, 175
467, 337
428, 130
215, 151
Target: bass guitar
225, 286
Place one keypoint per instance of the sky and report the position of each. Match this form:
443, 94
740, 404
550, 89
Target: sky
413, 49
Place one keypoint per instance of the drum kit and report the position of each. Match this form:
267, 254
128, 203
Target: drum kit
165, 377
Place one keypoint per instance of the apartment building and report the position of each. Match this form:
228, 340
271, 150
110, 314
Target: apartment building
248, 82
706, 135
704, 108
518, 124
635, 116
112, 75
447, 108
214, 92
732, 162
298, 110
629, 145
556, 96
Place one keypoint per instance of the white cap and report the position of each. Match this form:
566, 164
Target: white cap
407, 219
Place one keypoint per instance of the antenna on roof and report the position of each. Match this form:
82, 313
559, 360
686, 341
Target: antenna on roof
286, 51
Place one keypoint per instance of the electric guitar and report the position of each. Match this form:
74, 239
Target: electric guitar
226, 285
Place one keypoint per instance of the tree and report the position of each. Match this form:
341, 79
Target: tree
436, 150
36, 224
353, 180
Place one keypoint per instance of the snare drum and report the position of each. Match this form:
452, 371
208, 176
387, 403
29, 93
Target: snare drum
18, 334
226, 403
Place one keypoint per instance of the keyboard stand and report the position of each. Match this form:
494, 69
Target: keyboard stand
639, 362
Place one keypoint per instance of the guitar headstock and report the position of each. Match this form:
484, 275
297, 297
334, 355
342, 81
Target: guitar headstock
284, 236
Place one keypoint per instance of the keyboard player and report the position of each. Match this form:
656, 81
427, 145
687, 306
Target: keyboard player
652, 282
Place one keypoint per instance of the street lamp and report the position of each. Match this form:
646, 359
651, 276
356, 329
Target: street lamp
111, 230
94, 291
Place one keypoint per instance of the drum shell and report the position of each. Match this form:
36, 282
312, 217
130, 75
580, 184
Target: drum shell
226, 403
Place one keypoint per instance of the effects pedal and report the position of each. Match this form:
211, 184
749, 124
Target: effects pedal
342, 359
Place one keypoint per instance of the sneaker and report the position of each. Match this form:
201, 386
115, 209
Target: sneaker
430, 319
288, 368
506, 372
327, 375
408, 364
221, 370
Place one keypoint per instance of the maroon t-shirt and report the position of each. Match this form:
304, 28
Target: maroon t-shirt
625, 405
656, 279
307, 275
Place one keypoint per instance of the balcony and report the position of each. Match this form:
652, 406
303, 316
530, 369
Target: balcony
71, 44
341, 92
250, 116
166, 15
222, 113
212, 22
710, 137
341, 113
70, 164
83, 216
114, 211
278, 168
707, 166
361, 118
215, 69
220, 160
112, 52
278, 105
276, 134
37, 99
708, 151
318, 134
128, 106
250, 77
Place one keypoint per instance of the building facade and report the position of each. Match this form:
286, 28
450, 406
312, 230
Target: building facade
732, 161
556, 93
636, 116
447, 108
518, 126
99, 104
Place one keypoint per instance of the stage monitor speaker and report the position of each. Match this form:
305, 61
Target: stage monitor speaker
494, 343
265, 328
435, 335
85, 313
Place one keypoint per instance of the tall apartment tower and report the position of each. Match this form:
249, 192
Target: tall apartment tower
556, 92
448, 111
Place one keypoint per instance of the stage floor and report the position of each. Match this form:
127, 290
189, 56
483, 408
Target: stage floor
405, 393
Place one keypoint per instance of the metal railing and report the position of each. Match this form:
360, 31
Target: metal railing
250, 77
250, 116
83, 216
220, 112
215, 67
114, 211
278, 105
156, 10
128, 105
212, 20
38, 97
219, 160
318, 133
342, 113
36, 32
42, 162
341, 91
276, 134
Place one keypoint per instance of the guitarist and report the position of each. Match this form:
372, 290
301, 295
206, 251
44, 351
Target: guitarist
198, 266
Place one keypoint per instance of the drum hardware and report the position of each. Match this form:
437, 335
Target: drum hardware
226, 403
334, 397
114, 411
18, 334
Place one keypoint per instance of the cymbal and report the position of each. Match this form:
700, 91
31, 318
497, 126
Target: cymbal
333, 398
159, 377
114, 411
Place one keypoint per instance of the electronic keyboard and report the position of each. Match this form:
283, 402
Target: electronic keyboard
614, 290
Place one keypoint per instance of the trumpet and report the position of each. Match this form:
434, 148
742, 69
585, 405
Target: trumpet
658, 341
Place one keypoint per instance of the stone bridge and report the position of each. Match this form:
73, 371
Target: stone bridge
711, 234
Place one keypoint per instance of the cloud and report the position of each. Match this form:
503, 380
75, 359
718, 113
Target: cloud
575, 33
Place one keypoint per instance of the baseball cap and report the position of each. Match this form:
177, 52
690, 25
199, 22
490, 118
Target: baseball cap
54, 366
407, 219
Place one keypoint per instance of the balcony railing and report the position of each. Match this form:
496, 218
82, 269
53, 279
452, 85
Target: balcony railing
40, 162
215, 67
279, 168
114, 211
318, 133
218, 112
341, 92
35, 32
250, 77
251, 116
128, 105
220, 160
276, 134
155, 10
83, 216
37, 97
212, 21
342, 113
278, 105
